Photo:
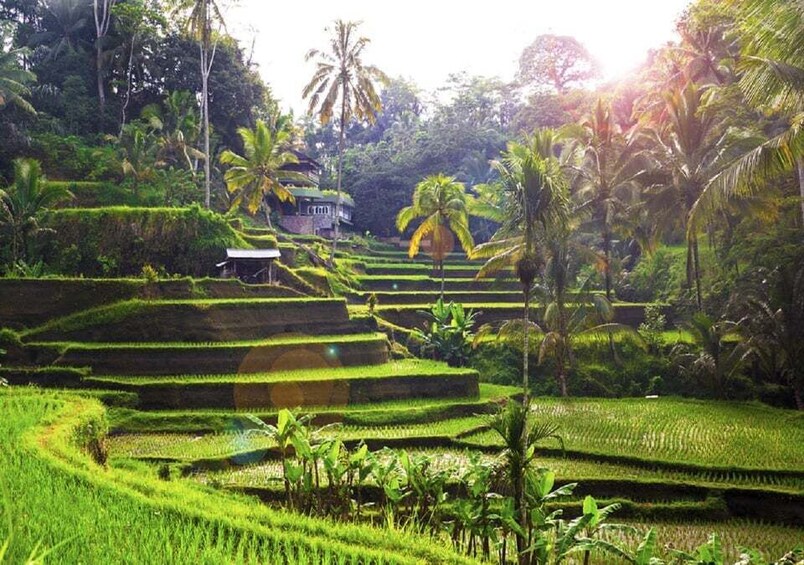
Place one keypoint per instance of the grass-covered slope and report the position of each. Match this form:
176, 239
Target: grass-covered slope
284, 352
198, 320
329, 386
28, 303
55, 498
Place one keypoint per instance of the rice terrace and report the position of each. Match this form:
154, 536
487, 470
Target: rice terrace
514, 284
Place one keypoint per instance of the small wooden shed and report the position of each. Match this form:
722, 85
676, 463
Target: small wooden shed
253, 266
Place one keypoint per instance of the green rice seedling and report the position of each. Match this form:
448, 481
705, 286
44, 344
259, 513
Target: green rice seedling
118, 515
692, 432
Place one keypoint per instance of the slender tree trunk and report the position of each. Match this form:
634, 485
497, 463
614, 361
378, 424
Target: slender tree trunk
99, 78
442, 280
205, 111
129, 72
697, 272
607, 266
341, 140
526, 349
800, 166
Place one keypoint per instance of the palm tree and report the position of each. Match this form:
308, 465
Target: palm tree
258, 175
717, 359
14, 80
690, 145
176, 124
773, 326
442, 202
771, 76
342, 83
203, 14
520, 434
590, 314
535, 202
608, 177
22, 204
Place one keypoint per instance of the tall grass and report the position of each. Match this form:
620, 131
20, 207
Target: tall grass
111, 515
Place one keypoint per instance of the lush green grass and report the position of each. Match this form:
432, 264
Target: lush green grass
771, 540
405, 368
278, 341
115, 313
707, 433
392, 412
89, 514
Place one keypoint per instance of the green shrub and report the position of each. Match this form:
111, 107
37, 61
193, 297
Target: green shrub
119, 241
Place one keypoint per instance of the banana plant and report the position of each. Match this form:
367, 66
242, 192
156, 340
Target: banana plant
287, 426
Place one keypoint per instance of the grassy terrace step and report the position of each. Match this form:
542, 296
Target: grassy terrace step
275, 354
338, 386
412, 410
680, 433
409, 315
403, 259
420, 269
198, 320
409, 283
419, 296
32, 302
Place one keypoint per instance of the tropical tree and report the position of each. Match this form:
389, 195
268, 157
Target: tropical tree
564, 321
771, 78
342, 83
442, 202
22, 204
175, 123
772, 325
259, 174
608, 176
14, 80
716, 358
202, 16
690, 144
520, 434
535, 202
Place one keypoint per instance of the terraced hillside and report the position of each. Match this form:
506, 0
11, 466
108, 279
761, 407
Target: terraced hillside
181, 377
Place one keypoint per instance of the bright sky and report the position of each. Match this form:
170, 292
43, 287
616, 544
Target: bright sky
426, 40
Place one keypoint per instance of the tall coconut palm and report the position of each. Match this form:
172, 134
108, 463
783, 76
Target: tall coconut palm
258, 175
608, 175
23, 203
442, 202
690, 144
202, 16
342, 83
772, 77
14, 80
535, 202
